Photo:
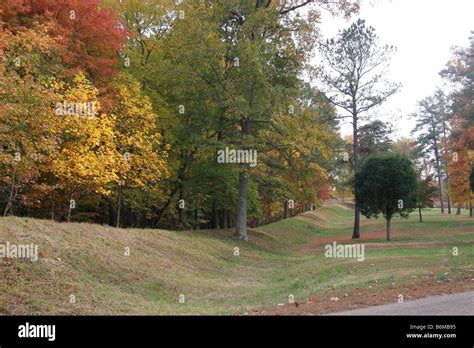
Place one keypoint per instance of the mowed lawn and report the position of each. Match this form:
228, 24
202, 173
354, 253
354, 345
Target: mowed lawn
201, 267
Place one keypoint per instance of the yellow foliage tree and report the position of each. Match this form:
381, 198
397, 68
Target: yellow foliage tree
87, 158
138, 140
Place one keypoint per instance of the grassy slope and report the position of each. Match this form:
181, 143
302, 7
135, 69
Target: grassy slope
281, 259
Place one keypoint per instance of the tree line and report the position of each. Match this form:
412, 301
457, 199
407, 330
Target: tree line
113, 112
117, 112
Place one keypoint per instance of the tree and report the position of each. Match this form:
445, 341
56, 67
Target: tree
459, 72
342, 169
460, 168
195, 76
425, 193
271, 47
27, 122
375, 139
88, 36
137, 139
249, 60
432, 135
88, 158
386, 184
352, 73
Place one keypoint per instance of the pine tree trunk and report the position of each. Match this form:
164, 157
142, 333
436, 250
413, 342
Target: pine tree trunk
438, 172
356, 231
448, 194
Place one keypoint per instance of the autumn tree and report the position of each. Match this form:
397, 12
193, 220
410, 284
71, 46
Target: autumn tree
88, 36
27, 122
459, 72
88, 158
138, 141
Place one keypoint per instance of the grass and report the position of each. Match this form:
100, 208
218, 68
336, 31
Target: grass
287, 257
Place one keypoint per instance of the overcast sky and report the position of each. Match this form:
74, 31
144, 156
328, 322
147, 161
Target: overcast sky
424, 32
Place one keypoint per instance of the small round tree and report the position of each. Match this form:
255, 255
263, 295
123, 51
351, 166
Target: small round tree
386, 185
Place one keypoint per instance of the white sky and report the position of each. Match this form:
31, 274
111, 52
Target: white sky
424, 32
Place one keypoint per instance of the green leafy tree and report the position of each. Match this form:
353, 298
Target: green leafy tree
386, 184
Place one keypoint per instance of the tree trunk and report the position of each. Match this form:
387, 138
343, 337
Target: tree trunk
241, 218
448, 197
285, 209
196, 222
165, 207
389, 231
438, 172
421, 217
11, 196
356, 231
470, 209
224, 219
448, 194
52, 204
69, 211
458, 211
119, 206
